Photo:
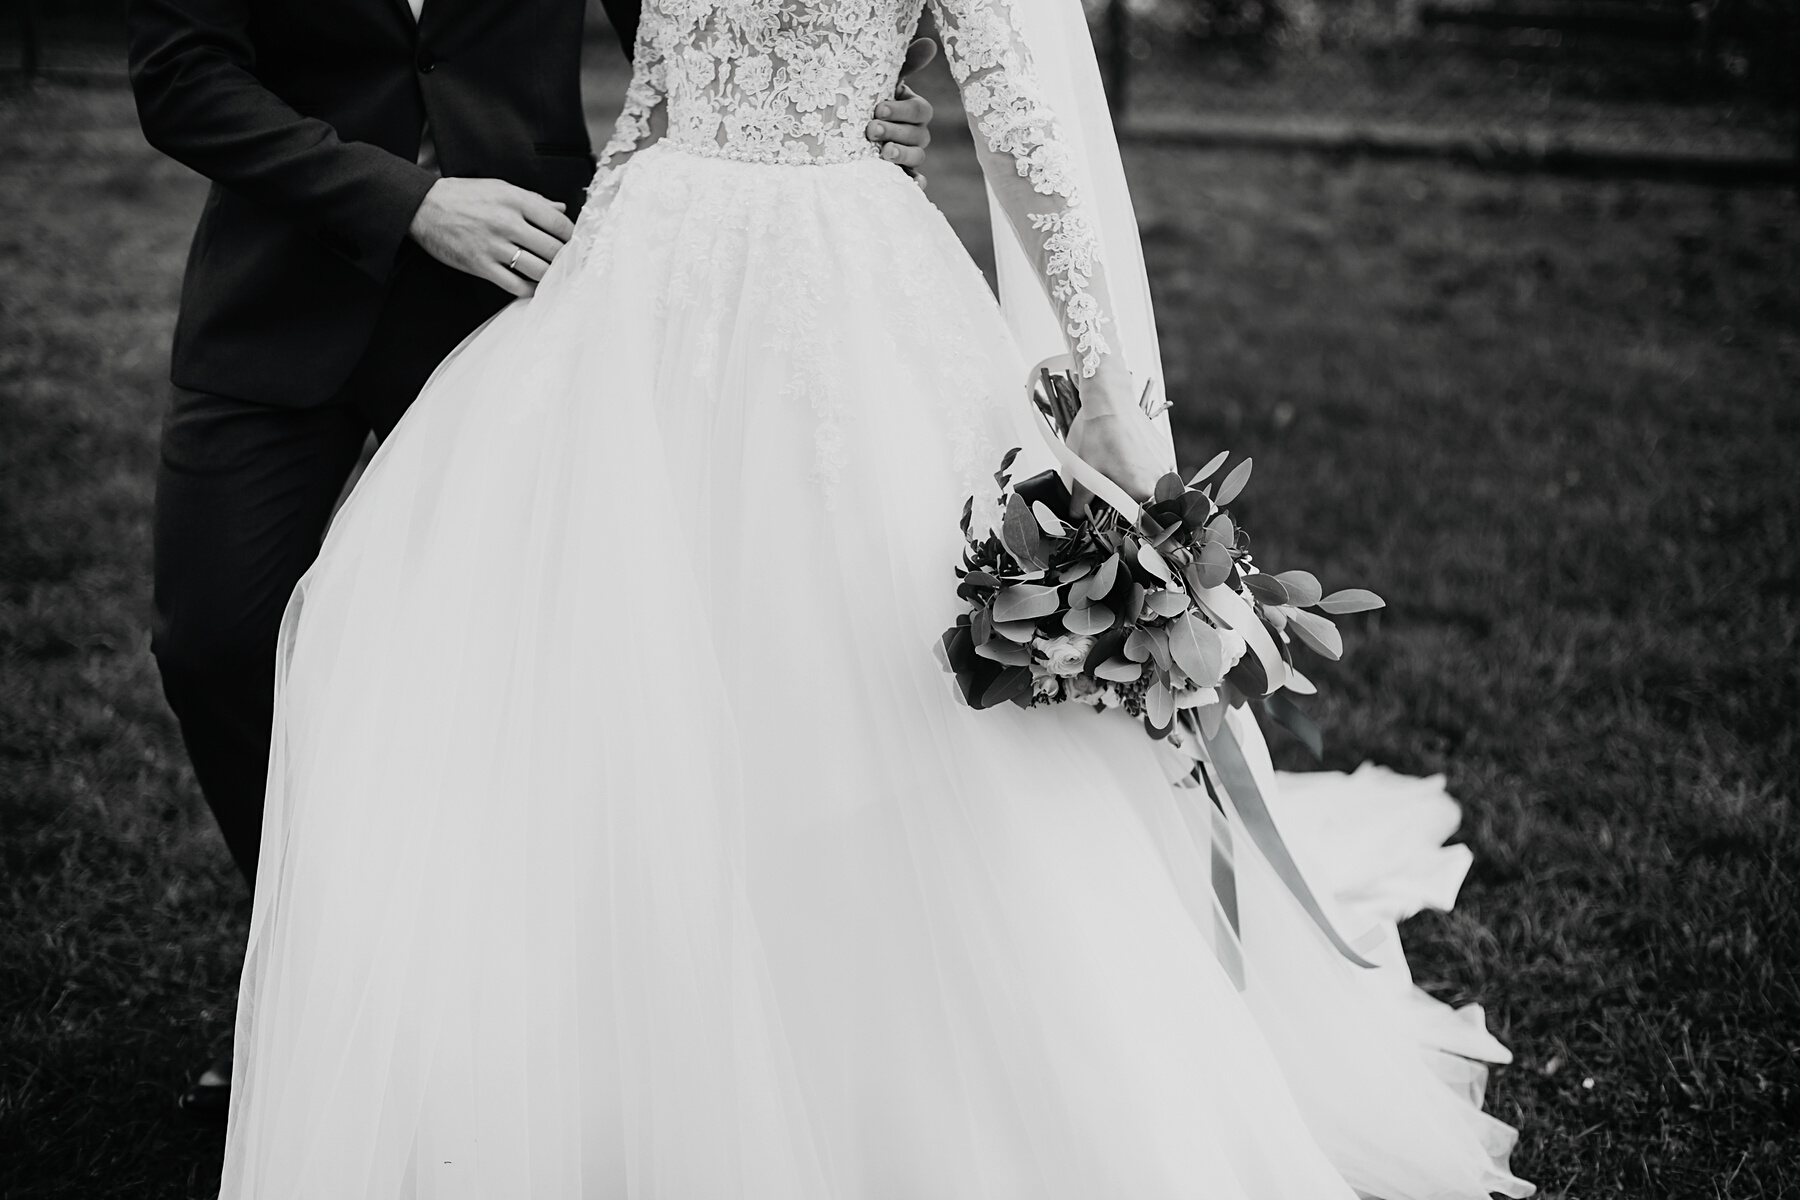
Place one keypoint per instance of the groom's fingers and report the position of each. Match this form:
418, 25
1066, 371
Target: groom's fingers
545, 215
535, 241
531, 266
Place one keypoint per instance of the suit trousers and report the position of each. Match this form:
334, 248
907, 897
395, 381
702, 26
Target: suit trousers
244, 492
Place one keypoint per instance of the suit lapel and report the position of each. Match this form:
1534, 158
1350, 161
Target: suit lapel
405, 11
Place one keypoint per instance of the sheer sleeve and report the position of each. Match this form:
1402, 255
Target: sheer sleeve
1029, 167
645, 98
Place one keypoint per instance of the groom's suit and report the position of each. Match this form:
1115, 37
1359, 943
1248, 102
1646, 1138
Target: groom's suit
307, 317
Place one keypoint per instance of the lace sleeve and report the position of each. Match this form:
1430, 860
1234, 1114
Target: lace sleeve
1028, 165
648, 93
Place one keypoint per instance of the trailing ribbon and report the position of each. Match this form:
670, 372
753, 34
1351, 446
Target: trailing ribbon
1222, 747
1234, 772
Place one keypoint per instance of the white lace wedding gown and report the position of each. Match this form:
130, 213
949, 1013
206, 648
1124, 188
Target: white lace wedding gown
624, 839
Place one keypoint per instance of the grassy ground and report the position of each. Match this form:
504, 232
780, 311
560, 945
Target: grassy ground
1554, 422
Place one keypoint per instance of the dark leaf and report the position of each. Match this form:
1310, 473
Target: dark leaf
1249, 677
1134, 603
1011, 682
1290, 716
1167, 488
981, 626
1002, 651
1106, 646
1267, 588
1046, 488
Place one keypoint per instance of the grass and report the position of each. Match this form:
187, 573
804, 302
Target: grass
1553, 421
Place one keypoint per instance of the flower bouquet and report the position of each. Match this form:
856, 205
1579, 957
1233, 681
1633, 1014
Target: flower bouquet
1158, 610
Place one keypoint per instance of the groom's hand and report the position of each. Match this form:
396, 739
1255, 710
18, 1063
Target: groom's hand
491, 229
902, 126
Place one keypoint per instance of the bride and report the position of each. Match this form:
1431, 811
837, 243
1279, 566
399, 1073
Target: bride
624, 837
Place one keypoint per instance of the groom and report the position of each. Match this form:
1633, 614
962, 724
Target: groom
387, 174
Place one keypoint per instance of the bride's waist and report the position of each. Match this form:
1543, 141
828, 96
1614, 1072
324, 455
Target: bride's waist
734, 140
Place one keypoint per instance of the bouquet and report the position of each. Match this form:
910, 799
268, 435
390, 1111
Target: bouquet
1161, 612
1157, 610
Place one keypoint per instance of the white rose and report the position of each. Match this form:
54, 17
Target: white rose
1067, 654
1083, 689
1234, 647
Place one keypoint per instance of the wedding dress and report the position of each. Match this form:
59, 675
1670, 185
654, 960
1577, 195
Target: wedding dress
624, 838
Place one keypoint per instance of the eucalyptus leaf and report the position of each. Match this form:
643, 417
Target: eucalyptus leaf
1119, 670
1167, 603
981, 578
1134, 603
1159, 648
1152, 561
1010, 683
1159, 706
1222, 531
1137, 646
1016, 631
1167, 488
1019, 533
1195, 508
1234, 483
1213, 568
1075, 570
1352, 600
1197, 649
1267, 588
1095, 618
1105, 577
1048, 521
1002, 651
1212, 464
1317, 632
1025, 601
981, 625
1302, 588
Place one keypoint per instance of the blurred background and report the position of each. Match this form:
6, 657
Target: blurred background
1502, 297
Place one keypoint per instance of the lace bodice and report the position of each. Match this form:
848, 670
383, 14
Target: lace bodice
797, 81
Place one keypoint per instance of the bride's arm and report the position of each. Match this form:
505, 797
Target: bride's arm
1029, 167
644, 118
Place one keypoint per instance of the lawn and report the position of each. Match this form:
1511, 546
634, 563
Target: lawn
1553, 421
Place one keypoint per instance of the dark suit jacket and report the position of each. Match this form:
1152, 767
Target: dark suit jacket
306, 114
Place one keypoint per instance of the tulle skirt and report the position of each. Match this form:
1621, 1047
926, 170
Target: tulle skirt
625, 839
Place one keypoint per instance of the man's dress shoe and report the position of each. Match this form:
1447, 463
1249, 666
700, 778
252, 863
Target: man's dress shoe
209, 1097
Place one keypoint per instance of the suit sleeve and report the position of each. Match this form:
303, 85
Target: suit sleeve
200, 102
624, 15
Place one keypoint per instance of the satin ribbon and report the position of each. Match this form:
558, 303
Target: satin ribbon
1240, 783
1222, 749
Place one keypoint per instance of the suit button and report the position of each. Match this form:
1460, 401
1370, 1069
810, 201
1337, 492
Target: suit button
427, 64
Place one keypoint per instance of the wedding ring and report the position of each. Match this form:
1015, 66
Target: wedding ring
512, 264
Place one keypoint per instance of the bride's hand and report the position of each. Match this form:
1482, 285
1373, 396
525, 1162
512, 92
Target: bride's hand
1112, 434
